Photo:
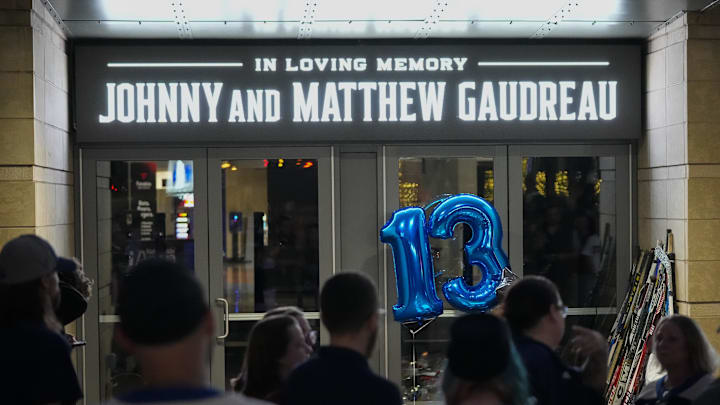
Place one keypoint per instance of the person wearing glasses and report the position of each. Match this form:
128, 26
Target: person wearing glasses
536, 314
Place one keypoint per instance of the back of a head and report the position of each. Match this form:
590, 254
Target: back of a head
293, 311
160, 302
478, 339
347, 301
528, 300
483, 362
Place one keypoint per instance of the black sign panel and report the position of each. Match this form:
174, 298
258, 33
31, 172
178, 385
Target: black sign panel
258, 94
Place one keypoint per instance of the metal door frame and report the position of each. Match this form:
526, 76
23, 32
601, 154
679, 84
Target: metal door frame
327, 229
390, 203
89, 238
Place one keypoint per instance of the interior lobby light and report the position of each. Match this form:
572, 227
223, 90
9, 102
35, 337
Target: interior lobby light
225, 165
234, 168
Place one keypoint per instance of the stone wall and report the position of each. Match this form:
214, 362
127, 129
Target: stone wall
36, 182
679, 159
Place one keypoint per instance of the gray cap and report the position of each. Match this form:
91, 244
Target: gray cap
27, 258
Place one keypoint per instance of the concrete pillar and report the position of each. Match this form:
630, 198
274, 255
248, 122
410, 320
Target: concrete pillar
679, 159
36, 182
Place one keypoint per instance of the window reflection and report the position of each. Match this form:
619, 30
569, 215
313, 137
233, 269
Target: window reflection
569, 226
270, 243
145, 209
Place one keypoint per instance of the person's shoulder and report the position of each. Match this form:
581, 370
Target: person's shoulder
649, 391
237, 399
711, 396
307, 370
225, 399
386, 390
534, 353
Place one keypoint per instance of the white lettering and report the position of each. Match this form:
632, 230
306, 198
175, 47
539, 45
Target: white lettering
189, 102
367, 88
417, 64
406, 101
168, 102
306, 64
145, 103
504, 114
460, 63
548, 99
432, 100
528, 104
466, 105
384, 64
386, 101
272, 106
587, 103
347, 88
125, 92
110, 116
487, 103
331, 105
608, 105
254, 105
212, 95
289, 67
446, 64
305, 109
237, 113
566, 100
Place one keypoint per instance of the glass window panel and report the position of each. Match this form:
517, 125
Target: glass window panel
145, 209
569, 226
423, 362
270, 238
423, 180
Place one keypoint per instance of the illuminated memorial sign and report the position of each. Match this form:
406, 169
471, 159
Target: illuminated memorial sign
198, 94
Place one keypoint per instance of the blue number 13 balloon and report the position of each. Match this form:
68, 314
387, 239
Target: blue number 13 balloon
407, 234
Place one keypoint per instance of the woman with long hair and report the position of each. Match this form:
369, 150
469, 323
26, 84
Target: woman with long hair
483, 366
276, 347
684, 352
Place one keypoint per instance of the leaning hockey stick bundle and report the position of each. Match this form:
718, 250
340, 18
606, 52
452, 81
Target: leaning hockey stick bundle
649, 298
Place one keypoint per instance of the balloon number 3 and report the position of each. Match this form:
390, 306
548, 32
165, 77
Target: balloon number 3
408, 234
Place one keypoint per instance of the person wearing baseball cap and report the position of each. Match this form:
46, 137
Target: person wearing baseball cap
36, 366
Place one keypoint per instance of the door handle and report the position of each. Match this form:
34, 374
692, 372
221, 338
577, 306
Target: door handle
227, 317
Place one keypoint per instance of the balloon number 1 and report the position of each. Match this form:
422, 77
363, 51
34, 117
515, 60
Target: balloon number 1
408, 234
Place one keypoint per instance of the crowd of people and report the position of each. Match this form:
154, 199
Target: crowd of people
167, 324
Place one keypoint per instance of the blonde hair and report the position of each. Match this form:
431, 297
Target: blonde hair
701, 355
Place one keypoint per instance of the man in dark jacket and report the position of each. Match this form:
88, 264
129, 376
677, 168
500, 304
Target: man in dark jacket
536, 314
340, 374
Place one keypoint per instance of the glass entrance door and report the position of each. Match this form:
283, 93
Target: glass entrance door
136, 204
418, 176
270, 231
